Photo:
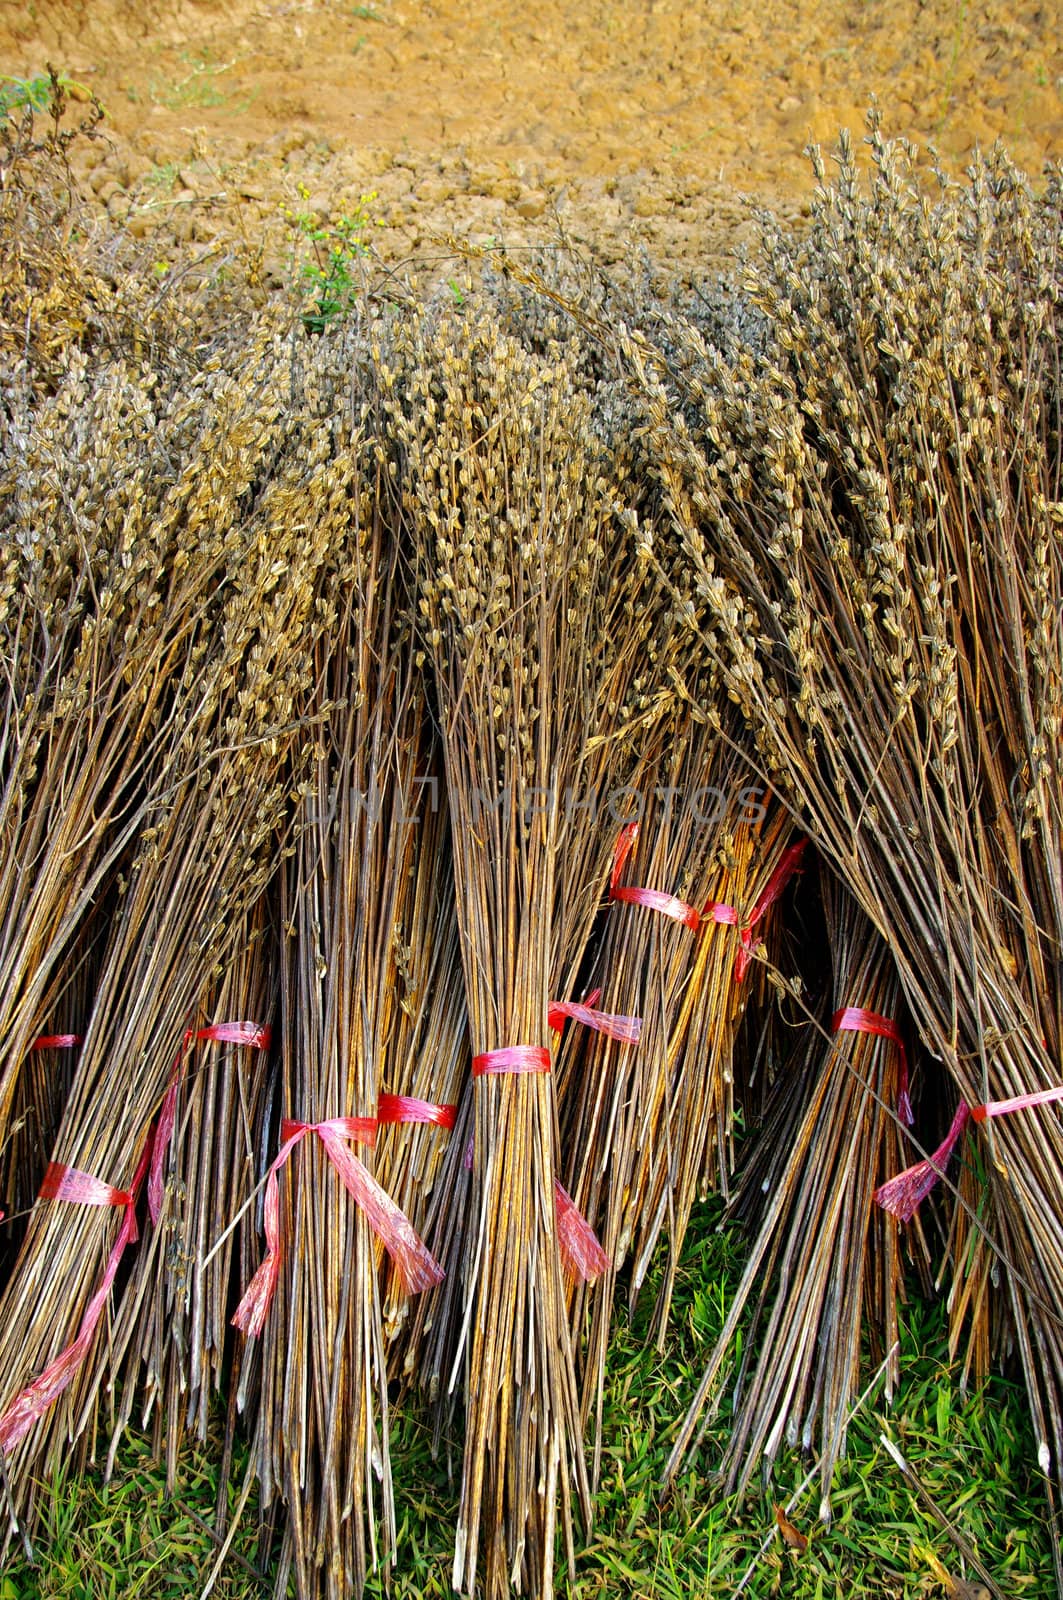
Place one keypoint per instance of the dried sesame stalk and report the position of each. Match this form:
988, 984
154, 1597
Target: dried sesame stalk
868, 538
217, 790
824, 1269
509, 508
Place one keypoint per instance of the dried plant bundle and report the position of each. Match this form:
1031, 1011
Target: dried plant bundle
825, 1263
866, 535
231, 668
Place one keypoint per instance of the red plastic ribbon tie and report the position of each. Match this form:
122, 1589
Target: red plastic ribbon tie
67, 1183
514, 1058
627, 1029
255, 1035
577, 1241
580, 1250
251, 1034
853, 1019
416, 1267
669, 905
789, 862
403, 1108
714, 910
901, 1196
1021, 1102
58, 1041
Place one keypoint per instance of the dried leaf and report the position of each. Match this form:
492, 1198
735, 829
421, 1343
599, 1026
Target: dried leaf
793, 1536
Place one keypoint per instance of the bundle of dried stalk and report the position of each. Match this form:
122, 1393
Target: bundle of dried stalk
321, 1434
234, 614
868, 535
171, 1341
43, 1082
117, 519
625, 698
425, 1060
513, 519
825, 1263
642, 1132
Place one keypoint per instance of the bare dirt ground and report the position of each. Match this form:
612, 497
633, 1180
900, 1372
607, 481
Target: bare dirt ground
625, 122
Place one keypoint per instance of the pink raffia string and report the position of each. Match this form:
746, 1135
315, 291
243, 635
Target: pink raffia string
58, 1041
416, 1267
581, 1253
1021, 1102
403, 1108
669, 905
513, 1058
789, 863
901, 1196
854, 1019
627, 1029
715, 910
67, 1183
250, 1034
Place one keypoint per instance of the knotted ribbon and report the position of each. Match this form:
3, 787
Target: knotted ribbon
789, 862
669, 905
80, 1188
416, 1268
902, 1195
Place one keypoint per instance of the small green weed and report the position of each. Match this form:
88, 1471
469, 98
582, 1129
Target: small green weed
38, 93
163, 178
327, 254
201, 87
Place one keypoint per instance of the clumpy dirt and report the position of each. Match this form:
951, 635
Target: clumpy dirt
627, 123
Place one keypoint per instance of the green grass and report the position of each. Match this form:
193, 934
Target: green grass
975, 1455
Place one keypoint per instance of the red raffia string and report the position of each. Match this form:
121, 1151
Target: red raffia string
403, 1108
902, 1195
669, 905
55, 1041
580, 1251
81, 1188
854, 1019
715, 910
513, 1058
1021, 1102
416, 1267
789, 862
627, 1029
251, 1034
577, 1240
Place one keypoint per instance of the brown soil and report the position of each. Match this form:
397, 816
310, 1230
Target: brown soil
626, 121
